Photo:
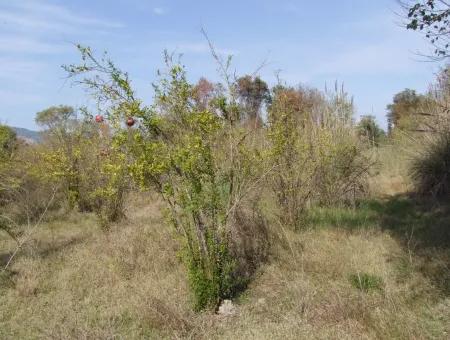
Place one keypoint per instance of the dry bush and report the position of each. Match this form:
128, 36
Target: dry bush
25, 194
316, 152
430, 170
250, 243
343, 168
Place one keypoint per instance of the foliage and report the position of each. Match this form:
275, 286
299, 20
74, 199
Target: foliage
317, 156
203, 93
403, 112
8, 142
343, 168
291, 152
199, 161
252, 92
81, 156
370, 131
24, 195
432, 18
63, 138
431, 167
56, 118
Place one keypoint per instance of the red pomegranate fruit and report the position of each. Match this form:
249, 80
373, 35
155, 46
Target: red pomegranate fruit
130, 121
99, 118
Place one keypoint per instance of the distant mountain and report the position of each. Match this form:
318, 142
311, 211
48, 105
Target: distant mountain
28, 135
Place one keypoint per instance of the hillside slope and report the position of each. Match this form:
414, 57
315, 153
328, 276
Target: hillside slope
28, 135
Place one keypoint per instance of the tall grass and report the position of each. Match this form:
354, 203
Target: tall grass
75, 281
430, 170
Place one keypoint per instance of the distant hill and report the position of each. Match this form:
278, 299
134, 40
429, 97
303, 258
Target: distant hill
28, 135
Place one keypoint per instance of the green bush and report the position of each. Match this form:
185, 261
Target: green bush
200, 160
24, 193
86, 160
366, 282
8, 142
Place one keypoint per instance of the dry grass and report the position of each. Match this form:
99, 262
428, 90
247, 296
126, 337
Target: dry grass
393, 167
76, 281
307, 293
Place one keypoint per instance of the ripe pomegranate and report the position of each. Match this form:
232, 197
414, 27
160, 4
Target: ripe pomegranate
130, 121
99, 118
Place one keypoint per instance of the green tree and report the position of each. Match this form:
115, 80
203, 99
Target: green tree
62, 137
252, 92
303, 101
402, 113
203, 93
370, 130
8, 142
56, 117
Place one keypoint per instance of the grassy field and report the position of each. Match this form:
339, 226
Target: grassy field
380, 271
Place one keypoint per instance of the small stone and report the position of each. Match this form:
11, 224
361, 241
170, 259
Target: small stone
227, 308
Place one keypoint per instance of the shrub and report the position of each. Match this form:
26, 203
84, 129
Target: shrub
316, 152
104, 173
342, 168
86, 161
431, 168
64, 136
292, 155
369, 131
24, 194
8, 142
199, 160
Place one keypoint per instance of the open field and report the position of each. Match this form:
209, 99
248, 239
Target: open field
281, 170
353, 274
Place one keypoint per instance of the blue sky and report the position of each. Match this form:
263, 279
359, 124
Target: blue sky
359, 43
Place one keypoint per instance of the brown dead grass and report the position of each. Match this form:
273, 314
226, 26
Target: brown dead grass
78, 282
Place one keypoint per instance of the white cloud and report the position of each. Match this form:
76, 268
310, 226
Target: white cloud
64, 15
15, 43
30, 31
159, 11
40, 17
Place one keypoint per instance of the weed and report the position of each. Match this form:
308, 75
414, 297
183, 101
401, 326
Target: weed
366, 282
